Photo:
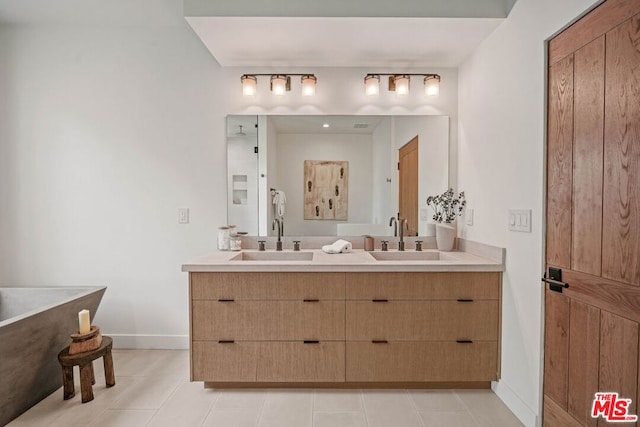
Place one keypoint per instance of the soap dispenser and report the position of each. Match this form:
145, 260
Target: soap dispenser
369, 243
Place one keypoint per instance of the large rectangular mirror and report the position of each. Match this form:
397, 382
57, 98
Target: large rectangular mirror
393, 164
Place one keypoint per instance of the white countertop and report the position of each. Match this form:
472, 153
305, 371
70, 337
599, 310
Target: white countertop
356, 261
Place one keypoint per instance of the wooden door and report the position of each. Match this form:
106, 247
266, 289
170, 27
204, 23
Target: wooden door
593, 215
408, 185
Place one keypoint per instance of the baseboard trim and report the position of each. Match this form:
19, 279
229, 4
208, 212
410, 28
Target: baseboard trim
165, 342
515, 404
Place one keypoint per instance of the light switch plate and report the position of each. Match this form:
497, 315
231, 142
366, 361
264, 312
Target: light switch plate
468, 216
183, 215
424, 214
520, 220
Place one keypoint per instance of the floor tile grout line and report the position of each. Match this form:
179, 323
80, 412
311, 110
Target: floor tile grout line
213, 404
364, 409
473, 416
261, 411
415, 407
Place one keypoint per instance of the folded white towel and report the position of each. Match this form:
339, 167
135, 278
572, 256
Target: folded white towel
338, 247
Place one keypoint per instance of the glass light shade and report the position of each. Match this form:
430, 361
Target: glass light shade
432, 85
402, 84
308, 85
278, 84
249, 85
372, 85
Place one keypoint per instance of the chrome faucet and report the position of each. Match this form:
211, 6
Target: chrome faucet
403, 225
273, 227
393, 222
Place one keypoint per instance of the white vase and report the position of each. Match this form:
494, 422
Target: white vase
445, 236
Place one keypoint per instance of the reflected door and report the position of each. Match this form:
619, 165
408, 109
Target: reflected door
408, 182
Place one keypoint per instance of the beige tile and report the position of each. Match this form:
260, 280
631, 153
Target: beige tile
487, 409
188, 405
337, 401
287, 408
152, 389
232, 418
339, 419
151, 362
436, 400
388, 400
385, 408
240, 399
123, 418
448, 419
147, 392
54, 411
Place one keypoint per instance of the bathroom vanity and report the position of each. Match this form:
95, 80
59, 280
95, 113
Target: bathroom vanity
309, 319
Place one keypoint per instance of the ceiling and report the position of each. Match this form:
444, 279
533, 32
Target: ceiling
340, 33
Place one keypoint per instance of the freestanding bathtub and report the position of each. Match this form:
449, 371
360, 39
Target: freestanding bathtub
35, 324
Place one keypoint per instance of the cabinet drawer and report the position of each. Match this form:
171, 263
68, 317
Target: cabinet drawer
214, 361
422, 320
299, 362
422, 361
268, 320
265, 285
433, 285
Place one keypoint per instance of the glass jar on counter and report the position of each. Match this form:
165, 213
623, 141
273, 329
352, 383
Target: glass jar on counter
235, 242
232, 229
223, 238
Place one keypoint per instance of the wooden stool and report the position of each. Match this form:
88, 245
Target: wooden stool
85, 362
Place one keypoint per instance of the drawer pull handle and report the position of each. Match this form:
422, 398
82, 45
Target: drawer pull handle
380, 300
464, 341
379, 342
226, 300
311, 342
311, 300
226, 342
465, 300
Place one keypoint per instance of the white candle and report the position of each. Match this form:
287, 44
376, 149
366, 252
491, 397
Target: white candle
85, 323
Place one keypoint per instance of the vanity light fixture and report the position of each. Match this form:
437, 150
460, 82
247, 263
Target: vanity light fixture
399, 83
279, 83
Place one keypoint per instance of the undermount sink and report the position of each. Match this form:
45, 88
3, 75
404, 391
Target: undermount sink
273, 256
405, 256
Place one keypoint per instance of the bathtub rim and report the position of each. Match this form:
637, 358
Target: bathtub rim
83, 290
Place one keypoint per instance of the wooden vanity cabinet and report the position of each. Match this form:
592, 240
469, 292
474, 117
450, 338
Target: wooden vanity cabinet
353, 329
267, 327
422, 327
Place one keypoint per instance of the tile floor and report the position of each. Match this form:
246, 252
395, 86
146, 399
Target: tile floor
153, 389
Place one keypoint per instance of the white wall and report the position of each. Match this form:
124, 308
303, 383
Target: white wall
501, 166
384, 158
107, 127
107, 130
293, 149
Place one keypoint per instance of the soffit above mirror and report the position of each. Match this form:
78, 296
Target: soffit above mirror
357, 33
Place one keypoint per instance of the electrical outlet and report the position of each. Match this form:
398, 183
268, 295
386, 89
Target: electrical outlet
183, 215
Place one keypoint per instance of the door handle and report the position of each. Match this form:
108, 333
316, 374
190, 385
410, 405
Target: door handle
555, 281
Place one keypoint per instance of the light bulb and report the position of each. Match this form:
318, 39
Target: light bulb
432, 85
402, 84
278, 84
308, 85
372, 85
249, 85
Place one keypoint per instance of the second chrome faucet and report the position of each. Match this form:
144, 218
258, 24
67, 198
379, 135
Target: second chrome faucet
273, 227
403, 225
